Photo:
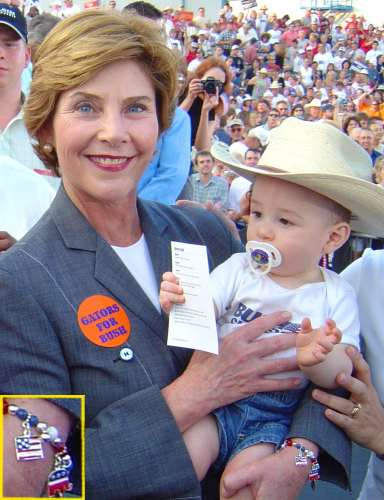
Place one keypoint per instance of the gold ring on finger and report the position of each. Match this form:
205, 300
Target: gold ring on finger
355, 410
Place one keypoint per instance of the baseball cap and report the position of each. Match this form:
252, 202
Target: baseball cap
12, 17
235, 121
328, 107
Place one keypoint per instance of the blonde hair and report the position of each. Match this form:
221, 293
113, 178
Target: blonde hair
82, 45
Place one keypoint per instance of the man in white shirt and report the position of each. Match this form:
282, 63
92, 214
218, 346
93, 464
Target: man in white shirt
14, 57
372, 55
246, 33
323, 58
24, 197
240, 185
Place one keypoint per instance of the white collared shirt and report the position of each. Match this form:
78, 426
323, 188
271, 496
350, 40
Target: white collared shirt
24, 197
17, 144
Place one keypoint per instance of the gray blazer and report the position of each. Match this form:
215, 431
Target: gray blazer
133, 446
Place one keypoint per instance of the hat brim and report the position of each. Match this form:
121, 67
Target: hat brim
4, 23
361, 197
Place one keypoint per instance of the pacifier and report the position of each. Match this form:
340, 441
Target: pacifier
262, 257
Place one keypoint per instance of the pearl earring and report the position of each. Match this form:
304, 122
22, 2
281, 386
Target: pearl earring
47, 148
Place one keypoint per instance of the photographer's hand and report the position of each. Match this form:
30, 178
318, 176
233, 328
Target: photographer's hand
210, 100
195, 87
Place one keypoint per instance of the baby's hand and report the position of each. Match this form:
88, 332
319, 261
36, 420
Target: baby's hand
170, 292
313, 345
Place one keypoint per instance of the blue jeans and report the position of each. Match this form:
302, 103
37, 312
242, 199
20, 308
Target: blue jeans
262, 418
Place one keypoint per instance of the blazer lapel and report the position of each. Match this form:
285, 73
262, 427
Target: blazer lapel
113, 275
110, 271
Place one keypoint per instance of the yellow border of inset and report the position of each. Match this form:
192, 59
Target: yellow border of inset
82, 434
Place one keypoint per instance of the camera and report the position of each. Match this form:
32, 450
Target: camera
210, 85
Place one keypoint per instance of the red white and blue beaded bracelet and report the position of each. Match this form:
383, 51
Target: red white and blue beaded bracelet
303, 457
29, 446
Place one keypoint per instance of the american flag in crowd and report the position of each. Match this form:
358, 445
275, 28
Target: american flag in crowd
28, 448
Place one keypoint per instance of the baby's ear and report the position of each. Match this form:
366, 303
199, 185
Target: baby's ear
338, 235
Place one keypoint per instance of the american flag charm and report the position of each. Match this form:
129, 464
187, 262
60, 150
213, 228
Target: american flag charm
301, 460
28, 448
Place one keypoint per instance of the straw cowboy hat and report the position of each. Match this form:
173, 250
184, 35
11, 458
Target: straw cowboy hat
275, 85
315, 103
320, 157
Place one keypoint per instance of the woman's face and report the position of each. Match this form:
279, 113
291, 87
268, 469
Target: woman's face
350, 108
105, 133
351, 125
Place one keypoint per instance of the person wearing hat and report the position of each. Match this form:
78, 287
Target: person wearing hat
338, 35
262, 24
265, 44
328, 112
313, 110
15, 57
262, 132
301, 209
235, 128
257, 80
276, 89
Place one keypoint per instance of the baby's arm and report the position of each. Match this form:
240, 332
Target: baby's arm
170, 292
320, 355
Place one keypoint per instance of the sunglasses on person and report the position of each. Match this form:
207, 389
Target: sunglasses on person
236, 129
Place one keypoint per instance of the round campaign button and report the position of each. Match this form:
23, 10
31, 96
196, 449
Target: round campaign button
103, 321
126, 354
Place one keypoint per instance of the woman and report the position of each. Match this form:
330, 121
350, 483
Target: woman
205, 105
350, 123
79, 294
362, 415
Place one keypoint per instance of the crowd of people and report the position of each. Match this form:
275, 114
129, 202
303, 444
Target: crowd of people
123, 131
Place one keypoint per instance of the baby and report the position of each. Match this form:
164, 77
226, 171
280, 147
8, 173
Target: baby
290, 229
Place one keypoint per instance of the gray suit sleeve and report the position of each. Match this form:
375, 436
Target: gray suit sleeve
133, 446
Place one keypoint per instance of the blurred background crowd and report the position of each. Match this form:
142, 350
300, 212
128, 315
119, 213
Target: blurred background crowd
240, 76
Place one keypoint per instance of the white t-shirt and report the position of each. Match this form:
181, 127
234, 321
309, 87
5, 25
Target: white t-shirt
138, 261
240, 296
366, 275
24, 197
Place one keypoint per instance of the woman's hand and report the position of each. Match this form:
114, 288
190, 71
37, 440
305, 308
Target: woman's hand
211, 381
362, 415
195, 87
210, 101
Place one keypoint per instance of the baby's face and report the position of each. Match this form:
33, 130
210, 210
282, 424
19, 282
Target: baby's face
297, 221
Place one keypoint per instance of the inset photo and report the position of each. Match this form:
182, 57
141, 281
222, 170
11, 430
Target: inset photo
42, 446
